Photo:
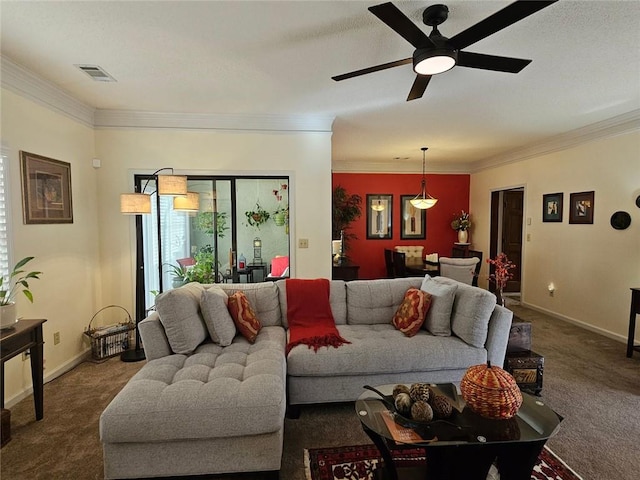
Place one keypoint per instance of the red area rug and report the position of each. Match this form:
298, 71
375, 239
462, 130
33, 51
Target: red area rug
358, 462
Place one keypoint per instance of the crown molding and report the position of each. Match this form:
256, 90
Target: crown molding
194, 121
618, 125
27, 84
398, 167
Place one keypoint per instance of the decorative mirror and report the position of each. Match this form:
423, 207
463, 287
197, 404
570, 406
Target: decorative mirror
620, 220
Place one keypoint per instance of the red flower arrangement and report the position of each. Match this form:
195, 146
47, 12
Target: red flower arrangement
501, 273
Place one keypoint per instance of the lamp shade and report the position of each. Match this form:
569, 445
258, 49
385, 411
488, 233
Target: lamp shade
135, 203
190, 203
172, 185
423, 202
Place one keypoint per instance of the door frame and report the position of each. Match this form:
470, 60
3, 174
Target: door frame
495, 229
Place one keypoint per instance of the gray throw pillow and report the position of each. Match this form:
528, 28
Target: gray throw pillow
215, 311
179, 311
438, 319
472, 310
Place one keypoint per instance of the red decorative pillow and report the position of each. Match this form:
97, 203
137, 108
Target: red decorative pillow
243, 316
411, 313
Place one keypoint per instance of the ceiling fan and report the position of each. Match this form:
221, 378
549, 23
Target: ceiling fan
436, 54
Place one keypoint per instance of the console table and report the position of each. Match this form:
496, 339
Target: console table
346, 271
26, 335
635, 310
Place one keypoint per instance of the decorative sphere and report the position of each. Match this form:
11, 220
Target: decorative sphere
441, 406
420, 391
400, 389
421, 411
403, 403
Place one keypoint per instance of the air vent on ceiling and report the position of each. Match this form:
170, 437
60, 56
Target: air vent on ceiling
96, 73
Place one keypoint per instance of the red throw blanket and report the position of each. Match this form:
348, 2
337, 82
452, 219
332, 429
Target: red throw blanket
309, 315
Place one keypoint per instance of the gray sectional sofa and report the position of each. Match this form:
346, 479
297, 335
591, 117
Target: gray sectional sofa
204, 407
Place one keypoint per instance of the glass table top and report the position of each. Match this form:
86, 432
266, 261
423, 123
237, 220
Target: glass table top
534, 421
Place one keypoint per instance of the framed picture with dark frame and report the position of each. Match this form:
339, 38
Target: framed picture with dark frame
46, 189
581, 207
552, 207
379, 215
413, 220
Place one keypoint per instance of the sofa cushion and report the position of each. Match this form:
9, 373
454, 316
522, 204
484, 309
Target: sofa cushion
263, 298
410, 314
438, 318
214, 307
216, 392
179, 311
472, 310
381, 349
243, 316
371, 302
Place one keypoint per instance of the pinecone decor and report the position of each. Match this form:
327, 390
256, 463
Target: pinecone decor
421, 411
403, 403
400, 389
441, 406
420, 391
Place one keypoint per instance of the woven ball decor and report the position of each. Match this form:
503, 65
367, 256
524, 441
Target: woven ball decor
491, 391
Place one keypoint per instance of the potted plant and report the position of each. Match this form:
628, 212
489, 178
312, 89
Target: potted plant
18, 280
501, 274
461, 223
203, 271
204, 223
345, 208
280, 214
257, 217
179, 274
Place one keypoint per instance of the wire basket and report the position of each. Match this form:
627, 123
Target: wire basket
109, 340
491, 391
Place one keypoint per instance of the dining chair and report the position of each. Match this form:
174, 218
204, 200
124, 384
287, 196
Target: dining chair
388, 263
460, 269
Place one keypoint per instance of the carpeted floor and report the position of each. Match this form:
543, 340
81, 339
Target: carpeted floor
587, 379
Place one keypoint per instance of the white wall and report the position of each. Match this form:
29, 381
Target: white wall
304, 157
592, 266
69, 290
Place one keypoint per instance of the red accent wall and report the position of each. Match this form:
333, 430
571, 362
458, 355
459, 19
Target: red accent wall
452, 192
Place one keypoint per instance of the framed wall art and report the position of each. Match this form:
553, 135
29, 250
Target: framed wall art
379, 214
581, 205
414, 220
552, 207
46, 189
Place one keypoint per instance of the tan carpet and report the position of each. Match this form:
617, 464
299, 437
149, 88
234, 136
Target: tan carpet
587, 379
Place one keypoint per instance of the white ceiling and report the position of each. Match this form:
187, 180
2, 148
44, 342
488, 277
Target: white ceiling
277, 58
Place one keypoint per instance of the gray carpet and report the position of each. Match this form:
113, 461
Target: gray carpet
587, 379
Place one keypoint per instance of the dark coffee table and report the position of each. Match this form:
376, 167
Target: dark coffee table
464, 446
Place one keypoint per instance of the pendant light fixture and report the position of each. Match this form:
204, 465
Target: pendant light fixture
140, 202
423, 200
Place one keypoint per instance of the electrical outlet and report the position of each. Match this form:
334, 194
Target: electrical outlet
56, 338
303, 243
26, 355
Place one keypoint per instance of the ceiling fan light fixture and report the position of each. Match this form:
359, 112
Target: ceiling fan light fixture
432, 61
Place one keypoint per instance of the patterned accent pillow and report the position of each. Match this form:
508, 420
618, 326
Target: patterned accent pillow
411, 313
243, 316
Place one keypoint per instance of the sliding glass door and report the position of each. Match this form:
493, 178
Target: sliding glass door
241, 224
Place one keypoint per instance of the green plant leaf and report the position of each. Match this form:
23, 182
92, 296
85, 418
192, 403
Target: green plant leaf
28, 294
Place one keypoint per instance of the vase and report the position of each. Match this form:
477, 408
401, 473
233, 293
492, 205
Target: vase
8, 316
463, 236
499, 297
278, 218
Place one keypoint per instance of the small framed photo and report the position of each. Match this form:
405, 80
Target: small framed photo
581, 205
379, 214
46, 189
414, 220
552, 207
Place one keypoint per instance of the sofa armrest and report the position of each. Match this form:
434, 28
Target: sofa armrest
154, 339
498, 335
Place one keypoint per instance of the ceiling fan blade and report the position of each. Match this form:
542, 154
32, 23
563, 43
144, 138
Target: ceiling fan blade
491, 62
496, 22
418, 87
401, 24
377, 68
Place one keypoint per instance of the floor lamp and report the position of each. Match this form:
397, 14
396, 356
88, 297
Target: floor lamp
139, 204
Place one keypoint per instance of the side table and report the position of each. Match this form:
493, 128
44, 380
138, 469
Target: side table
26, 335
635, 310
527, 367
